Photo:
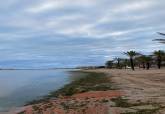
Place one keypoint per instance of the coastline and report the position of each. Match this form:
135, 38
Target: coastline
129, 92
87, 94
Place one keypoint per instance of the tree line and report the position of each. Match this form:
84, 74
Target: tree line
157, 58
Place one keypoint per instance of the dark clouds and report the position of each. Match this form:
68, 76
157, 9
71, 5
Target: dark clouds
69, 33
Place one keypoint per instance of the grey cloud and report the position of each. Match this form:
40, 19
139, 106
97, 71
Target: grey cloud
84, 32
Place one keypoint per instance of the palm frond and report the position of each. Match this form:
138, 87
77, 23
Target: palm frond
161, 33
160, 40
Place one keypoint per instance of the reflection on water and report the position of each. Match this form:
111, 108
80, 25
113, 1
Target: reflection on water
20, 86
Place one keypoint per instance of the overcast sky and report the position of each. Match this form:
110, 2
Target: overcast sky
68, 33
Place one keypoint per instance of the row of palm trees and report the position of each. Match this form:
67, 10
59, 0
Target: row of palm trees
135, 58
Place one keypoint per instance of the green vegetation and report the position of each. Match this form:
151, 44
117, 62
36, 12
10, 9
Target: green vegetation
105, 100
89, 82
157, 58
120, 102
144, 111
109, 64
131, 55
159, 55
145, 61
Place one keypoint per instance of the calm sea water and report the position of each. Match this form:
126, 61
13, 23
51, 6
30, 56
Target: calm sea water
20, 86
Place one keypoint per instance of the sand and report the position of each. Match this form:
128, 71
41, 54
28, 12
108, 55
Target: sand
146, 85
94, 102
139, 86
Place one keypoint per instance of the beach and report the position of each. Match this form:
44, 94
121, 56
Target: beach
145, 86
82, 57
120, 92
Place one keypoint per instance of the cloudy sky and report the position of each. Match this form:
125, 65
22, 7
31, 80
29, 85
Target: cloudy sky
68, 33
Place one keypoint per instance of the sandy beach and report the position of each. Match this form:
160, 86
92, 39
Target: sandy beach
82, 57
136, 92
140, 85
146, 85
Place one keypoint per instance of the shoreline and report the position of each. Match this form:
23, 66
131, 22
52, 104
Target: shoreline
133, 92
92, 88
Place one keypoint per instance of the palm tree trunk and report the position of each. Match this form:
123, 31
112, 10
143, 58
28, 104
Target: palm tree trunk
148, 65
118, 64
159, 62
143, 65
132, 64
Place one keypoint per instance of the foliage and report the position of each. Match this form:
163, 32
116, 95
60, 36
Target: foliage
131, 54
109, 64
145, 61
159, 57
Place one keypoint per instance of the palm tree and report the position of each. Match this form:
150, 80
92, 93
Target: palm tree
131, 55
161, 40
161, 33
148, 60
118, 60
141, 61
159, 55
109, 64
122, 62
125, 63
